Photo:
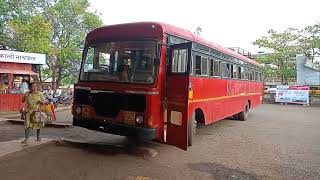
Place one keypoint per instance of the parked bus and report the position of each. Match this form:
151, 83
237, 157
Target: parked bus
157, 81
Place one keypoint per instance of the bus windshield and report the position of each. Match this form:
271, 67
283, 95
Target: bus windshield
122, 61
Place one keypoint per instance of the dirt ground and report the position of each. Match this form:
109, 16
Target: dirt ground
277, 142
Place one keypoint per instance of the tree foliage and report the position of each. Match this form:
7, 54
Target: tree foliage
54, 27
309, 41
13, 10
284, 47
33, 36
71, 21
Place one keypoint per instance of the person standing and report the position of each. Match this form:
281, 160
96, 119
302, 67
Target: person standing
49, 95
24, 87
33, 99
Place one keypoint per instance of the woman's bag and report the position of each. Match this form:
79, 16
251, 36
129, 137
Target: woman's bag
37, 117
46, 108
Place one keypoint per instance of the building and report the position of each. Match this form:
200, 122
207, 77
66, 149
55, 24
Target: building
308, 73
16, 67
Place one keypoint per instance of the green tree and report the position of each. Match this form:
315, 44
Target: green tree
284, 47
33, 36
54, 27
267, 69
13, 10
70, 20
309, 41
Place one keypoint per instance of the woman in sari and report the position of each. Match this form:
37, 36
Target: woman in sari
33, 99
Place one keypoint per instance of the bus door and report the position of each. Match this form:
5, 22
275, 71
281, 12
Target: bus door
177, 95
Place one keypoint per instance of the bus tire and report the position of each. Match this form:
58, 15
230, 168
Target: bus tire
243, 116
192, 129
236, 116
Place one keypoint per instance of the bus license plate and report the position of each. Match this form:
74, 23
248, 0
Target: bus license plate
128, 117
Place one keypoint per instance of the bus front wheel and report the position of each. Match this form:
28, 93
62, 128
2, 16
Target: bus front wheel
192, 129
243, 116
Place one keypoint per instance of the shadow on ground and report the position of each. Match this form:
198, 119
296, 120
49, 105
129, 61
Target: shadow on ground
126, 146
219, 171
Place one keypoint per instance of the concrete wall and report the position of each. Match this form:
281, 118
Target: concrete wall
306, 73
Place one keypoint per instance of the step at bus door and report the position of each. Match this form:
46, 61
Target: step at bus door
177, 95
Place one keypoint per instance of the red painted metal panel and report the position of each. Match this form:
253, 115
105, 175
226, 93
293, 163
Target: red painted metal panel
212, 96
178, 102
10, 102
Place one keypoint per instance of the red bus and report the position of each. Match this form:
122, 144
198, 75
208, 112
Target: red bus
156, 81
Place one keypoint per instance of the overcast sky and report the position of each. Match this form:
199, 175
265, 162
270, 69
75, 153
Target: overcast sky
227, 22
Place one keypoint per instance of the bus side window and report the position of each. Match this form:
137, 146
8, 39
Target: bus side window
204, 66
225, 72
198, 65
234, 71
229, 70
256, 76
246, 71
242, 73
250, 75
260, 77
216, 69
239, 72
211, 67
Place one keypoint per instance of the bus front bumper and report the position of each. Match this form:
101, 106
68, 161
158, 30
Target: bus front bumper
115, 128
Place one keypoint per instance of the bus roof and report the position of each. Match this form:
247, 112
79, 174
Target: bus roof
143, 29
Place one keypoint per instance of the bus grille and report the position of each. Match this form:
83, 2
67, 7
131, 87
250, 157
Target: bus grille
109, 104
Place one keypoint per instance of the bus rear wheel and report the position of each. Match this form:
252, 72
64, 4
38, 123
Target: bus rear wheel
192, 129
243, 116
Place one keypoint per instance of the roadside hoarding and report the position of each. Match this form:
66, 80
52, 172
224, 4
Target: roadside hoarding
293, 94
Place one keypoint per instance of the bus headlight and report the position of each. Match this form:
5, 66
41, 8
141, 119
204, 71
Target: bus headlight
139, 119
78, 110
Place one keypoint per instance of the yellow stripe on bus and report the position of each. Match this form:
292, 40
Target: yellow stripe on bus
222, 97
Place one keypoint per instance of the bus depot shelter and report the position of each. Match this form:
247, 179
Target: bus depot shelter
16, 67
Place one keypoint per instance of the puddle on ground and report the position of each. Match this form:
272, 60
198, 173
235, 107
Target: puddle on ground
220, 171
